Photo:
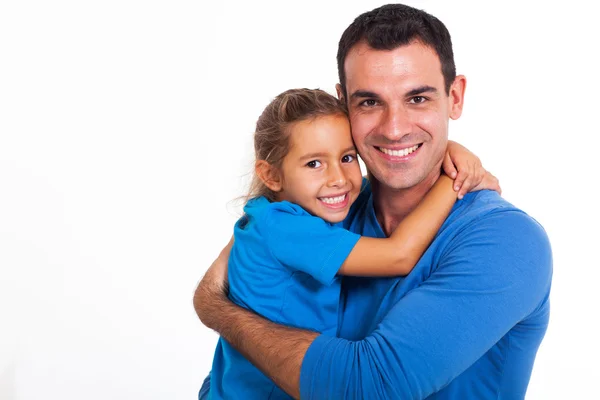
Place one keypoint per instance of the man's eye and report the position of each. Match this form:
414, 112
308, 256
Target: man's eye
348, 158
418, 100
369, 103
313, 164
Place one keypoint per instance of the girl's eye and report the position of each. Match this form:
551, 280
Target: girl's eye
348, 158
313, 164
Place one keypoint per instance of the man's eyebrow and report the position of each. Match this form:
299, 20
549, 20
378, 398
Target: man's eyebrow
359, 94
421, 90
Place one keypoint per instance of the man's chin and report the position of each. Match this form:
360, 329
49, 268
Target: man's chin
396, 180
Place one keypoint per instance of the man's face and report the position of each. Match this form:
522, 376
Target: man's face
399, 112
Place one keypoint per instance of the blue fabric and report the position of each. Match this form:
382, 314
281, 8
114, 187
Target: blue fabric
204, 393
283, 265
466, 323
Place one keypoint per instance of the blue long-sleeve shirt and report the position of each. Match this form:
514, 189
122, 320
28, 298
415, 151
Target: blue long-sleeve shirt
466, 323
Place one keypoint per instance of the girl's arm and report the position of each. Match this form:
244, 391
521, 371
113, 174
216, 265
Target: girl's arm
398, 254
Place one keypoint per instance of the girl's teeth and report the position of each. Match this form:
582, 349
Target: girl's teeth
399, 153
333, 200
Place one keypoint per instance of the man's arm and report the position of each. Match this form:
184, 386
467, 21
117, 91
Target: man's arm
492, 279
275, 349
494, 274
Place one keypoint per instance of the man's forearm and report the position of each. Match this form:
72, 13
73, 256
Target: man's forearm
274, 349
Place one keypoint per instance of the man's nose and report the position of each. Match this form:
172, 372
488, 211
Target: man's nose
396, 123
336, 176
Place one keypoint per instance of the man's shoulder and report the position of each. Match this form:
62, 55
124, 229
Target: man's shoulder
485, 221
485, 214
504, 243
484, 201
484, 204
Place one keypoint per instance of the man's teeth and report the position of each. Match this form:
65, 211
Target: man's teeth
399, 153
333, 200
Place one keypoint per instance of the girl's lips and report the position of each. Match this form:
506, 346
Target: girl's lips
334, 202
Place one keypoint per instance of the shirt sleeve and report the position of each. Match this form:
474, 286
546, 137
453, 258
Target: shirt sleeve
306, 243
493, 275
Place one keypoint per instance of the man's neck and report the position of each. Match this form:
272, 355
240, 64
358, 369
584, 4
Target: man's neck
393, 205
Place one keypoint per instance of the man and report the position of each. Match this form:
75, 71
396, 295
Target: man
466, 323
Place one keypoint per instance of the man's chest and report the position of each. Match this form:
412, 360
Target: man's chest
364, 302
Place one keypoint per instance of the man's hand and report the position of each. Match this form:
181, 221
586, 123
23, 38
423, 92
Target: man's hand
212, 290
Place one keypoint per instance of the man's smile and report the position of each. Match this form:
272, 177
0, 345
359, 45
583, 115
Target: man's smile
395, 152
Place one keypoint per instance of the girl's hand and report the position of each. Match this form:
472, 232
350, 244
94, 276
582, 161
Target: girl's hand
466, 170
489, 182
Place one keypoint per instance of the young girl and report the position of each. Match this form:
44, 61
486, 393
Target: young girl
289, 251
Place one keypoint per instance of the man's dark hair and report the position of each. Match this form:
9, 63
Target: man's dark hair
395, 25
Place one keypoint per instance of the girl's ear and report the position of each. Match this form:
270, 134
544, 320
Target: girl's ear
269, 175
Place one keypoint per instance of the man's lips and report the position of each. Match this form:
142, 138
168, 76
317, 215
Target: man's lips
398, 152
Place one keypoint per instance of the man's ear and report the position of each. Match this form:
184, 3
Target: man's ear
340, 93
269, 175
456, 97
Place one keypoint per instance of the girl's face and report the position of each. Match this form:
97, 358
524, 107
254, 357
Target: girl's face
321, 172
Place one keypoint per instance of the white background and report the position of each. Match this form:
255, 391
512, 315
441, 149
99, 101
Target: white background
126, 132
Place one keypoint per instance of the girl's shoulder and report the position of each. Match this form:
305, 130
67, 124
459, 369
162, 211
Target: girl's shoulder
275, 220
261, 206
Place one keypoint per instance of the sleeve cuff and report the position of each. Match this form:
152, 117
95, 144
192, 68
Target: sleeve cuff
336, 258
310, 373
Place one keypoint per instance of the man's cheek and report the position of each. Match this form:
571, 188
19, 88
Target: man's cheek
432, 125
360, 129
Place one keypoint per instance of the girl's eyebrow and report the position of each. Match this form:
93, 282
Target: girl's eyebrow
313, 155
323, 155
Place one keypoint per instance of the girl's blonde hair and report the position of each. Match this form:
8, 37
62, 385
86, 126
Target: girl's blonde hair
273, 128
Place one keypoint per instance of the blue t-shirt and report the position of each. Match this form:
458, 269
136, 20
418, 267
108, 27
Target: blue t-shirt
465, 324
283, 266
